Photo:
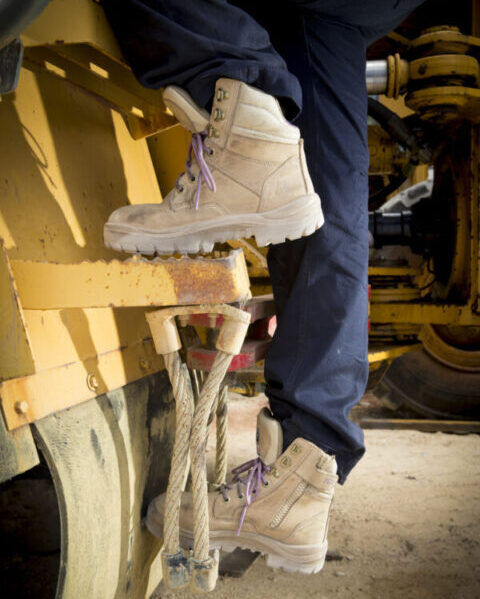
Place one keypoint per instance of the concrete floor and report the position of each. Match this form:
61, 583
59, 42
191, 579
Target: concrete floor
406, 525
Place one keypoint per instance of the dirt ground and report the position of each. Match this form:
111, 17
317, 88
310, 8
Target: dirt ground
406, 525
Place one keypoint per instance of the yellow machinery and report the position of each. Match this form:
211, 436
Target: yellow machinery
82, 390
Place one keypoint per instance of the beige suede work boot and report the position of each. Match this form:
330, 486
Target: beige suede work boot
278, 504
245, 176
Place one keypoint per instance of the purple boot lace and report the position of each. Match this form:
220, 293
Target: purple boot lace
252, 482
196, 150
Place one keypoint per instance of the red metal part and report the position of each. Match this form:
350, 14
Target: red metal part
258, 307
200, 358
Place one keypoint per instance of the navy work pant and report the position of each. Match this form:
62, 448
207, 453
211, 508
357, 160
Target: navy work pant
311, 55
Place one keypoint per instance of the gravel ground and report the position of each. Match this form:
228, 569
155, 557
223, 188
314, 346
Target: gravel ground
406, 525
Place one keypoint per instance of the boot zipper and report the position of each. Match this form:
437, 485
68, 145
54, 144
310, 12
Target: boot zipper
285, 508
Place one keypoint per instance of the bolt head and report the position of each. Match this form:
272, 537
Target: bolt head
145, 364
21, 407
92, 381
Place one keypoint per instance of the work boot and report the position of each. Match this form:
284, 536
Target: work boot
278, 504
245, 176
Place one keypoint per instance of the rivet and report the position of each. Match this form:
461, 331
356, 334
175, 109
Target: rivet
219, 115
276, 473
21, 407
92, 382
286, 461
145, 364
296, 448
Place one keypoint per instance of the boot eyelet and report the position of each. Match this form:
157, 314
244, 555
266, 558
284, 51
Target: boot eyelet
193, 178
241, 496
181, 188
226, 499
212, 132
275, 473
211, 152
265, 483
222, 94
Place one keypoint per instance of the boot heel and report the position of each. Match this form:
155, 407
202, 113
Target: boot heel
300, 566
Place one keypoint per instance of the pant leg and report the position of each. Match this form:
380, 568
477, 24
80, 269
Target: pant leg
192, 43
317, 365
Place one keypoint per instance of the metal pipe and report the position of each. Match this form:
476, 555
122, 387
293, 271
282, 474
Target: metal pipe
377, 76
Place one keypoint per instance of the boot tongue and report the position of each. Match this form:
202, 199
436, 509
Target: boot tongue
188, 114
269, 437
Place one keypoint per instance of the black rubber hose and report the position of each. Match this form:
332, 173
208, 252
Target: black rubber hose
396, 127
398, 130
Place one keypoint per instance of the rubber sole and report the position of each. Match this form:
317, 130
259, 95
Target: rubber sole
298, 218
304, 559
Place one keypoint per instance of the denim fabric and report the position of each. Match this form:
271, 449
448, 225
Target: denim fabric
317, 365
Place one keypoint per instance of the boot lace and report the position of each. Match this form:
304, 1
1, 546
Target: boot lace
254, 476
196, 151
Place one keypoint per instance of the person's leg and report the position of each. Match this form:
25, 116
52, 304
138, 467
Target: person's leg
317, 365
192, 43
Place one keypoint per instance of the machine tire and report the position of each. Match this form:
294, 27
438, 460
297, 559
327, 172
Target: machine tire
420, 382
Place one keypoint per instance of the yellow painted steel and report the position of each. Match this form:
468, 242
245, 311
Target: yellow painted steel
108, 79
443, 104
382, 353
394, 271
67, 160
134, 282
449, 66
168, 150
73, 22
27, 399
399, 293
466, 359
422, 313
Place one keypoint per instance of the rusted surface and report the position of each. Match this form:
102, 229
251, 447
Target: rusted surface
210, 280
133, 282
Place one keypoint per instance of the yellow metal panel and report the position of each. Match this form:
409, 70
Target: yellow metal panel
67, 162
30, 398
169, 152
66, 336
15, 348
393, 271
134, 282
109, 80
389, 352
70, 22
422, 313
